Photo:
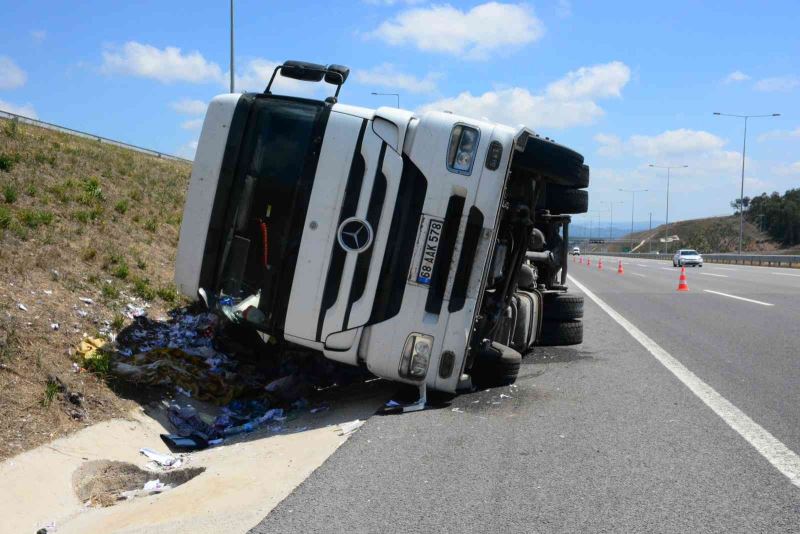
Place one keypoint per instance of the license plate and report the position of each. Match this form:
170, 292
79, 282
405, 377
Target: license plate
425, 270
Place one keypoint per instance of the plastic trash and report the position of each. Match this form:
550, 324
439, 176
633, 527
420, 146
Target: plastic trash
22, 307
194, 442
154, 485
164, 460
86, 300
350, 427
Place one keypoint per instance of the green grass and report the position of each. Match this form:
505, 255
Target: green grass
50, 392
33, 218
5, 217
118, 322
121, 207
121, 271
110, 292
9, 194
168, 294
150, 225
8, 160
10, 129
92, 192
142, 289
100, 364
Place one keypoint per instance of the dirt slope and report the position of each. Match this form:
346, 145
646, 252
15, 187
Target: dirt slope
78, 220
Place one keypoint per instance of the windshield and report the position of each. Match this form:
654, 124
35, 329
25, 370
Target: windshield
689, 253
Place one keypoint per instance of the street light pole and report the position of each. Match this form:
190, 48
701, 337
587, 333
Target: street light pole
666, 222
633, 203
397, 95
232, 86
611, 223
744, 148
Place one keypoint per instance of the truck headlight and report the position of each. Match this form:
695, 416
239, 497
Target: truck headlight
463, 148
416, 356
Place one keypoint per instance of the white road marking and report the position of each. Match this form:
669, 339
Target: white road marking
668, 269
637, 274
725, 268
739, 298
786, 274
717, 275
642, 265
775, 452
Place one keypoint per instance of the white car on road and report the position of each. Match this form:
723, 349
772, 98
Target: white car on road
576, 251
687, 257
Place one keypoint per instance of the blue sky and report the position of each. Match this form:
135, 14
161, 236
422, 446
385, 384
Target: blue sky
625, 83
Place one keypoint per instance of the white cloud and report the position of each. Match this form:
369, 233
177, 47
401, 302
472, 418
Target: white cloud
788, 169
38, 35
11, 76
167, 66
188, 106
386, 75
485, 29
664, 145
187, 150
192, 124
780, 134
25, 110
736, 76
777, 84
598, 81
567, 102
564, 9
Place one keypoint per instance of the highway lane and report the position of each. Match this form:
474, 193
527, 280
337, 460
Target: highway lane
595, 438
747, 351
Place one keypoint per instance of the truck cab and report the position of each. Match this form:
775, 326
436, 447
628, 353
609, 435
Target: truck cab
420, 246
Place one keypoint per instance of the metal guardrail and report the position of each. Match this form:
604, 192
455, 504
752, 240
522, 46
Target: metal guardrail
775, 260
64, 129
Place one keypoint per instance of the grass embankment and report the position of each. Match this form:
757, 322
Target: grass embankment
711, 234
78, 219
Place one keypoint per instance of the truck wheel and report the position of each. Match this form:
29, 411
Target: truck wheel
557, 333
556, 163
562, 306
560, 200
495, 366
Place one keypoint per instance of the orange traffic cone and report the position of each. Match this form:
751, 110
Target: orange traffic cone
588, 262
620, 270
581, 260
600, 264
682, 286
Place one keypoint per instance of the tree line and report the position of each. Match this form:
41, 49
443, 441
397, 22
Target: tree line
777, 215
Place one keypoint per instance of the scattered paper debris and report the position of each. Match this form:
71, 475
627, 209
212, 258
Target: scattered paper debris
457, 410
86, 300
22, 307
350, 427
54, 326
164, 460
504, 396
155, 485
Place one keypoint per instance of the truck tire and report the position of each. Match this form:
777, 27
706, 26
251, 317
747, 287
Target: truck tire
565, 200
495, 366
559, 333
562, 306
556, 163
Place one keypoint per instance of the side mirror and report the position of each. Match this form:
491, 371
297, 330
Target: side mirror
337, 74
301, 70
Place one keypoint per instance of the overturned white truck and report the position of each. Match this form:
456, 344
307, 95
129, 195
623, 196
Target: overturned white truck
431, 249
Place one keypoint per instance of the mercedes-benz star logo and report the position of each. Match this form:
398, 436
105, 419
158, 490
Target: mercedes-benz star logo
355, 235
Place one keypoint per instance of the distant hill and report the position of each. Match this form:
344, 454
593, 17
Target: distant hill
711, 234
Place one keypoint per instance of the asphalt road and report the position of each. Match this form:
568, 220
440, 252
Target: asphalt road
595, 438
